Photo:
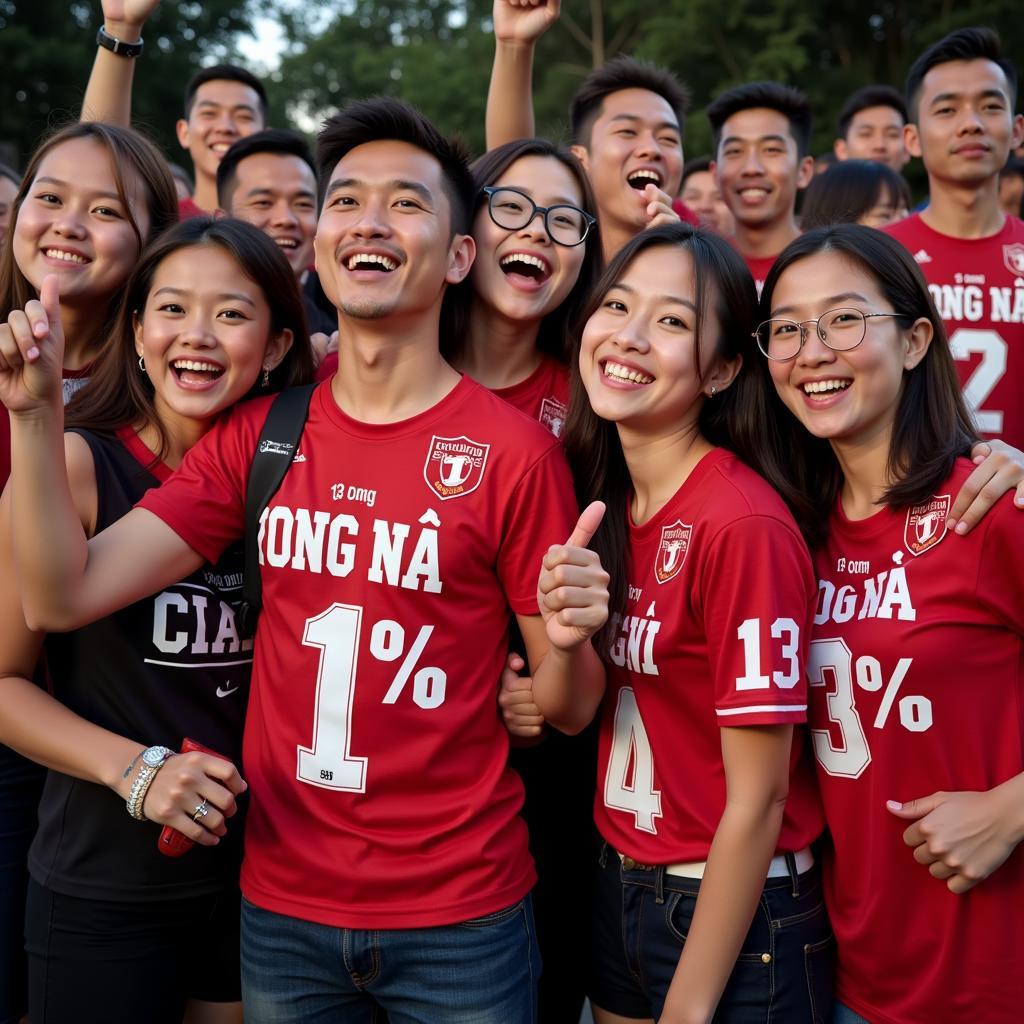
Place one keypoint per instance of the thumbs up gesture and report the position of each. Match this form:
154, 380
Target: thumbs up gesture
32, 352
572, 591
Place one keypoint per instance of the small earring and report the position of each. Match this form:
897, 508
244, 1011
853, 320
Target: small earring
714, 391
266, 377
142, 365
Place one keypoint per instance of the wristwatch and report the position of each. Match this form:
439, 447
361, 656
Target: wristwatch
118, 46
153, 759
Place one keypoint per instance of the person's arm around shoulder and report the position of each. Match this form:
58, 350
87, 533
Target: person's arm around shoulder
64, 579
518, 24
108, 96
999, 468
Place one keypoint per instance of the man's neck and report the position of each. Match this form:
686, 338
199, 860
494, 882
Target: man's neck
205, 194
762, 241
390, 369
964, 211
614, 235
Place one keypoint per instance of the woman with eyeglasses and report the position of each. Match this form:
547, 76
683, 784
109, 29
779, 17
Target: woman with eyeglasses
537, 255
916, 664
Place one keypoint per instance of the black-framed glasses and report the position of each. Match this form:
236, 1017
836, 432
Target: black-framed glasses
839, 329
512, 209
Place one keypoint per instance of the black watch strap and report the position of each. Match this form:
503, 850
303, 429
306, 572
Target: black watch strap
118, 46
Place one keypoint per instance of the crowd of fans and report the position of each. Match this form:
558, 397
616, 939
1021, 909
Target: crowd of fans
635, 545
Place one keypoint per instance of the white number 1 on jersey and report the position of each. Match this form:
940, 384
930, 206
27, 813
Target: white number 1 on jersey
329, 761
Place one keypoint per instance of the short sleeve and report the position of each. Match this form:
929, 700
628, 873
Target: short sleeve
204, 499
1001, 566
757, 596
541, 512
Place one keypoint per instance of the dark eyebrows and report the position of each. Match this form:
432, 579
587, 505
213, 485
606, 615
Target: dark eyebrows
729, 139
395, 185
636, 119
985, 94
623, 287
214, 105
64, 184
236, 296
844, 297
253, 193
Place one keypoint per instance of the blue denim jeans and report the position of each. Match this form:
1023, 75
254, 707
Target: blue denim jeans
783, 974
482, 971
844, 1015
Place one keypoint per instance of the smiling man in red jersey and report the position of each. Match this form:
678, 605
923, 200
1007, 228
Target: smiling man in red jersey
762, 135
960, 98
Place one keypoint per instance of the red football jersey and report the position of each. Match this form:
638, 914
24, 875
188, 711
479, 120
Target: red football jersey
544, 395
759, 267
978, 288
917, 685
391, 556
721, 594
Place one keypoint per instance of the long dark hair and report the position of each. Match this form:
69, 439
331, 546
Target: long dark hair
932, 427
118, 395
127, 149
554, 336
734, 420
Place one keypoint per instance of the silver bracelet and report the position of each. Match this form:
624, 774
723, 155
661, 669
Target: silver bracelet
153, 759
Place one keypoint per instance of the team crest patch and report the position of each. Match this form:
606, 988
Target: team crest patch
926, 524
552, 415
454, 466
675, 542
1013, 257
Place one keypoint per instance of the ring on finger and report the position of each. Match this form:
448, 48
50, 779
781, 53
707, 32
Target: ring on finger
201, 811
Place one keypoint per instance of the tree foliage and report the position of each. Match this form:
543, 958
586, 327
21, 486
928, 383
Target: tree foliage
47, 49
437, 53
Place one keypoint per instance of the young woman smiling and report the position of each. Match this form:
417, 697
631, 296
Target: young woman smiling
916, 664
709, 901
113, 928
537, 256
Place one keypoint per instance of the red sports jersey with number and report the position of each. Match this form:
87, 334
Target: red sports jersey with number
544, 395
721, 594
978, 288
390, 556
917, 685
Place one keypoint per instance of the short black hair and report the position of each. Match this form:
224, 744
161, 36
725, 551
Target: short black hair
383, 118
225, 73
963, 44
848, 190
791, 103
10, 173
270, 140
870, 96
695, 166
614, 76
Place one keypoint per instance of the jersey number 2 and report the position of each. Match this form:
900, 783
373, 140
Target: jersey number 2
969, 341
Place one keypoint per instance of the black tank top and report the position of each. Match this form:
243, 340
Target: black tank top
167, 667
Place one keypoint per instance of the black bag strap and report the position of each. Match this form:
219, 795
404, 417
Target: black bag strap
278, 443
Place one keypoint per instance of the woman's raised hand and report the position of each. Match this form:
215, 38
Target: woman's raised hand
32, 352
